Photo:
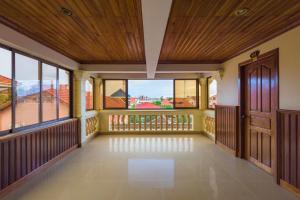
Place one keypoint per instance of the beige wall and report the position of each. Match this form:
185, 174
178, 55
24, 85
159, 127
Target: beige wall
21, 42
289, 71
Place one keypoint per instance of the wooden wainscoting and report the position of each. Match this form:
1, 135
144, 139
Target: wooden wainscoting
288, 141
23, 153
227, 127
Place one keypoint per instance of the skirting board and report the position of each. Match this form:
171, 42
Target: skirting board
208, 135
290, 187
225, 148
90, 138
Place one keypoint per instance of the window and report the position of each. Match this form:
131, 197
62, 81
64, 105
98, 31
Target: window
64, 93
186, 94
89, 93
27, 91
5, 90
41, 91
49, 92
150, 94
212, 92
115, 94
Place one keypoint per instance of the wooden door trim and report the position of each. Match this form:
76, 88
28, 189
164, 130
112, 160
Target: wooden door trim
242, 100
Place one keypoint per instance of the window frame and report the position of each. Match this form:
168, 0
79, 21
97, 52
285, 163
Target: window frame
197, 95
104, 92
207, 89
14, 97
126, 108
93, 108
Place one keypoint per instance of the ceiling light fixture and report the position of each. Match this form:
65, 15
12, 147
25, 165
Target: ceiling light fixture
241, 12
66, 11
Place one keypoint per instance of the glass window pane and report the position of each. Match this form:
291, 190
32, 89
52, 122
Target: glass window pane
64, 93
185, 93
27, 90
5, 89
49, 74
150, 94
115, 94
89, 96
212, 93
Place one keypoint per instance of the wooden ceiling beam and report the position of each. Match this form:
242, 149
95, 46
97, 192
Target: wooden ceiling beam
155, 20
141, 68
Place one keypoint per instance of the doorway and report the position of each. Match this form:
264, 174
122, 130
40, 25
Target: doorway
259, 103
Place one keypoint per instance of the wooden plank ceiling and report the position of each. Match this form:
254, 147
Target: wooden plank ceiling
111, 31
98, 31
203, 31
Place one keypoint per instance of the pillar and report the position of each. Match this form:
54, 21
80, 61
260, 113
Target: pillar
97, 98
79, 101
203, 101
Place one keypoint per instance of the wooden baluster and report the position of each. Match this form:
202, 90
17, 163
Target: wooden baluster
129, 123
163, 124
177, 122
160, 122
150, 122
167, 122
118, 122
145, 122
189, 121
155, 122
134, 122
140, 122
172, 122
113, 122
123, 122
183, 122
109, 122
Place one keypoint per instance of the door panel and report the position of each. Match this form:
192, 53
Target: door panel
260, 112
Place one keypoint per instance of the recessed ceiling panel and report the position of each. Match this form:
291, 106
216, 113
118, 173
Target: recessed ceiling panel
209, 31
88, 31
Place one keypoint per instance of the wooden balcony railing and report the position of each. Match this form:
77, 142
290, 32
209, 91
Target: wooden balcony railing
27, 151
151, 122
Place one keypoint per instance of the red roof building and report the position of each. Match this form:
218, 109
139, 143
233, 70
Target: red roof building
64, 94
147, 105
166, 102
4, 81
112, 102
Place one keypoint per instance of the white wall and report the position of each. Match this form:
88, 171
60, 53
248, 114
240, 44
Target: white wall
12, 38
289, 71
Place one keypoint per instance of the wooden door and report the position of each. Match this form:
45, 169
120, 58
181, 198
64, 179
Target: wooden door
261, 103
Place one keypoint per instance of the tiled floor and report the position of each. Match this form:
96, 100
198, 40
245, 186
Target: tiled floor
151, 167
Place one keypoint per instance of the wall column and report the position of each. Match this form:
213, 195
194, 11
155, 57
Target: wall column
79, 102
203, 84
97, 98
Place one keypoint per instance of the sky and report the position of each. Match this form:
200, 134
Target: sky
27, 68
150, 88
5, 68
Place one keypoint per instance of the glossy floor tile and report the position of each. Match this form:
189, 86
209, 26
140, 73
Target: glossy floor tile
179, 167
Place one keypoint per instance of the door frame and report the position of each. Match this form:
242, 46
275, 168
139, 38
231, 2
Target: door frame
242, 99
